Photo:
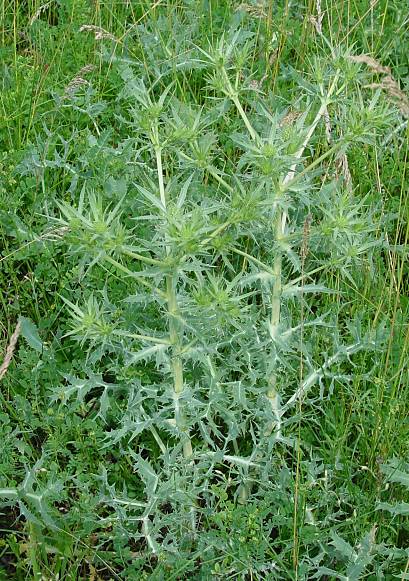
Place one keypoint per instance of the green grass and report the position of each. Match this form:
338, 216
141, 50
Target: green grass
123, 462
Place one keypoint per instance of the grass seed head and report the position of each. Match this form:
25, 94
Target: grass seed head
10, 351
387, 83
78, 81
99, 33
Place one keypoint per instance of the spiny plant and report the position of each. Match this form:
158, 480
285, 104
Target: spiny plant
212, 245
203, 334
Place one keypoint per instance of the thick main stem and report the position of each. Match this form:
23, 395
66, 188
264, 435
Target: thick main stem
174, 331
177, 363
272, 394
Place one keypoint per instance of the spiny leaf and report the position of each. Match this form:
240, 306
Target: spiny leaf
148, 474
147, 353
342, 546
393, 474
398, 509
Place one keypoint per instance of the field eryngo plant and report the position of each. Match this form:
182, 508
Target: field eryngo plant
213, 343
211, 238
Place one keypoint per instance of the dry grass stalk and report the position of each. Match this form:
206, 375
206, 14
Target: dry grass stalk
257, 10
10, 351
257, 85
51, 235
306, 237
39, 11
99, 33
78, 81
55, 234
387, 83
86, 70
290, 118
373, 64
317, 22
342, 168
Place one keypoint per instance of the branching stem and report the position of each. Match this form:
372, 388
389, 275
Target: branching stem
243, 115
212, 171
280, 227
234, 97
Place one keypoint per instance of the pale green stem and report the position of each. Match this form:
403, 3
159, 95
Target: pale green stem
315, 375
147, 534
177, 362
281, 218
146, 259
276, 298
272, 394
243, 489
221, 181
253, 259
174, 330
313, 164
9, 493
215, 233
158, 152
154, 433
234, 97
243, 115
176, 342
280, 226
135, 275
277, 283
148, 338
32, 551
328, 264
